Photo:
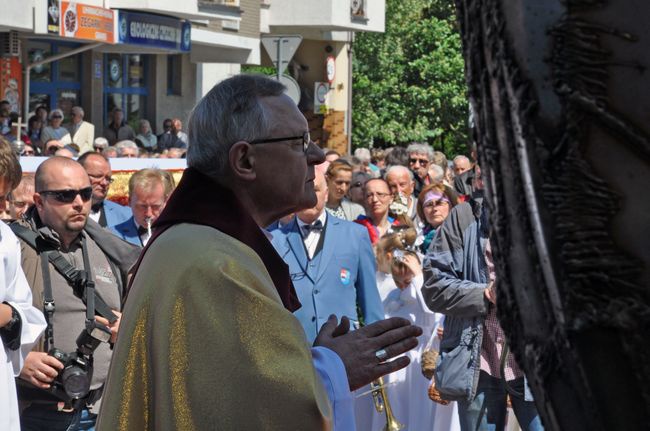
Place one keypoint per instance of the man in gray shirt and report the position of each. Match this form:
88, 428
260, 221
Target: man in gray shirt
60, 227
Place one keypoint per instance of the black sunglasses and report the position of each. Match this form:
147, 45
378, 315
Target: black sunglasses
306, 140
68, 196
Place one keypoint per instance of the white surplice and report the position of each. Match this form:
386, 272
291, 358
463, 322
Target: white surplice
15, 291
407, 389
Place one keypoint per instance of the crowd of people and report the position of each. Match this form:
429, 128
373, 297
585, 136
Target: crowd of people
47, 135
392, 243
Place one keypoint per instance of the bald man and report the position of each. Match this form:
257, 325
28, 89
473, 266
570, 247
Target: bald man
400, 180
58, 224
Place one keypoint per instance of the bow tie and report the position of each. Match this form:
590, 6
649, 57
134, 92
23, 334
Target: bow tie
316, 226
142, 230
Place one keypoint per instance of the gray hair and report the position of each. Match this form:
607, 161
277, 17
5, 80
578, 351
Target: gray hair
461, 157
100, 142
398, 169
363, 154
143, 122
54, 112
79, 109
120, 146
438, 173
417, 148
229, 113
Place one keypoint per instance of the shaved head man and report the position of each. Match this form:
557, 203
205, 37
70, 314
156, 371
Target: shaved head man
60, 222
57, 179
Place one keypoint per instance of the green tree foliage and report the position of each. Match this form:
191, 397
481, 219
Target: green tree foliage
409, 83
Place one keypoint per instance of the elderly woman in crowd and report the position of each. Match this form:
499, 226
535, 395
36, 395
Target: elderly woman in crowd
127, 148
339, 176
55, 130
433, 206
146, 139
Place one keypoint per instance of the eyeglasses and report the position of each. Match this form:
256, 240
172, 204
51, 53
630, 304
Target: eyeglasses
380, 196
56, 117
422, 162
99, 178
68, 196
18, 204
306, 140
437, 203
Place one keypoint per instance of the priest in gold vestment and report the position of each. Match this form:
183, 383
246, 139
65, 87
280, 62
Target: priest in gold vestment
207, 339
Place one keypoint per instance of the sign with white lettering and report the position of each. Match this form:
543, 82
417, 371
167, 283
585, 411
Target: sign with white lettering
80, 21
154, 30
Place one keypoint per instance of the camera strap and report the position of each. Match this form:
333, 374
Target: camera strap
48, 301
71, 274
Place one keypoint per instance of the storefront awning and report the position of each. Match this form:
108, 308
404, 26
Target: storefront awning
214, 47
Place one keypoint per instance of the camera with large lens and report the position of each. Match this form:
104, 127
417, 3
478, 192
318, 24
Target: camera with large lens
73, 382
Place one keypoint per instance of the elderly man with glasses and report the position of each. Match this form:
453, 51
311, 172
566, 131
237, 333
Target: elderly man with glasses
420, 157
209, 340
66, 257
103, 211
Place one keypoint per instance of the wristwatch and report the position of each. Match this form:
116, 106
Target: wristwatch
10, 333
15, 318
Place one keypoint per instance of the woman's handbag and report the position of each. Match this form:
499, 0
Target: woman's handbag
428, 362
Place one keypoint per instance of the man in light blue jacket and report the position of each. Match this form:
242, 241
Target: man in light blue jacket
332, 266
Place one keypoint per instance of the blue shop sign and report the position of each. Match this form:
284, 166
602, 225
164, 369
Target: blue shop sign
154, 30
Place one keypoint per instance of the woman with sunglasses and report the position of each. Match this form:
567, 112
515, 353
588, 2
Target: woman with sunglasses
55, 130
433, 206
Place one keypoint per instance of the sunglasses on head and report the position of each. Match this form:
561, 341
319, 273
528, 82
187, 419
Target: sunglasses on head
68, 196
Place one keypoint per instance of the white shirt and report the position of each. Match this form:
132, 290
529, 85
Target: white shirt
311, 239
145, 236
95, 215
15, 290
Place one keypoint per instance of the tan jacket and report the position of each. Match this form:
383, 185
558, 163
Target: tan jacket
84, 136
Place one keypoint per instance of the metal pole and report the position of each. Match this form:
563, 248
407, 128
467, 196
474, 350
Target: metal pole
28, 70
57, 57
349, 122
279, 59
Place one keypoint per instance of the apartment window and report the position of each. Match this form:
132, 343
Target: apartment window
174, 74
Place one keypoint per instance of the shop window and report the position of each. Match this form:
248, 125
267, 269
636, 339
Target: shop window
135, 71
115, 70
174, 74
68, 69
37, 52
56, 84
125, 86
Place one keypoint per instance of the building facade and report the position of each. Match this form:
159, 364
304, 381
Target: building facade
155, 58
